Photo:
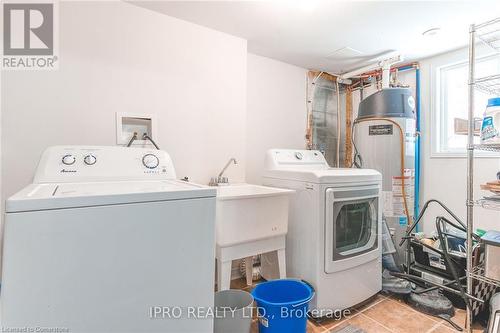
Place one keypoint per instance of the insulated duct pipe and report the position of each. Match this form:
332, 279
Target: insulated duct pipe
338, 80
386, 75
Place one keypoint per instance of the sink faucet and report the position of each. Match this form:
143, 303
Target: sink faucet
220, 179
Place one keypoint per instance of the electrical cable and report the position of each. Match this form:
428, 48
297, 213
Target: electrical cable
357, 160
421, 215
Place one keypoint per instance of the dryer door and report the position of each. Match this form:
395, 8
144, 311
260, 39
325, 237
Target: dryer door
351, 227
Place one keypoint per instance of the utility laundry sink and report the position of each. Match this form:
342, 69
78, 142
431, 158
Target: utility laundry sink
250, 220
247, 212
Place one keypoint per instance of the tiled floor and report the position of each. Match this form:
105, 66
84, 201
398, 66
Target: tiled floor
382, 314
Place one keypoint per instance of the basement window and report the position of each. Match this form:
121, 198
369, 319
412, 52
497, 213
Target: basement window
451, 107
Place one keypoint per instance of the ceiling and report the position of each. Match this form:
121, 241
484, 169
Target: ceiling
336, 36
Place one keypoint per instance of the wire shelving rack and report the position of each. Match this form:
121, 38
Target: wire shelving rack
489, 34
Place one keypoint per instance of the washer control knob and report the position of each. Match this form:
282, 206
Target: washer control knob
298, 155
150, 161
68, 159
90, 159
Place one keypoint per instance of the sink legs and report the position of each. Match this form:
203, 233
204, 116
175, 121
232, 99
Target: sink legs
282, 263
223, 274
225, 254
249, 270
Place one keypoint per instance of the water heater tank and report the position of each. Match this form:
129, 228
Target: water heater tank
390, 103
382, 117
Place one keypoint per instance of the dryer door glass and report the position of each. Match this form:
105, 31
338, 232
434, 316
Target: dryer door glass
355, 228
352, 222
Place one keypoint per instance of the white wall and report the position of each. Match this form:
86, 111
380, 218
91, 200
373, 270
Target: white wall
213, 101
276, 114
276, 110
134, 60
117, 57
445, 178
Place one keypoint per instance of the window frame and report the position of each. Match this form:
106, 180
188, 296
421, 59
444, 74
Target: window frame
438, 117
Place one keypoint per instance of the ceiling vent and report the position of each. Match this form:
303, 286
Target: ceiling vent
345, 53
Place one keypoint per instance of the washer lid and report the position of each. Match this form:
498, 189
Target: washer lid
71, 195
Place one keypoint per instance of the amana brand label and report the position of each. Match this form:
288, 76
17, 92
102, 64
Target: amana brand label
380, 130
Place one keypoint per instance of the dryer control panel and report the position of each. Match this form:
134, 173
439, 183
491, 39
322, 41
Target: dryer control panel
282, 157
61, 164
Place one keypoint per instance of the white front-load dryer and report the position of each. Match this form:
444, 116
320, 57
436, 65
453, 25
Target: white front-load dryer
334, 232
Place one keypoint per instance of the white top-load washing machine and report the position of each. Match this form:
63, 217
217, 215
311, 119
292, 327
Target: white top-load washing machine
334, 228
106, 240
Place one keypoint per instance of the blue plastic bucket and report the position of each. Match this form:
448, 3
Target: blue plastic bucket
282, 305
